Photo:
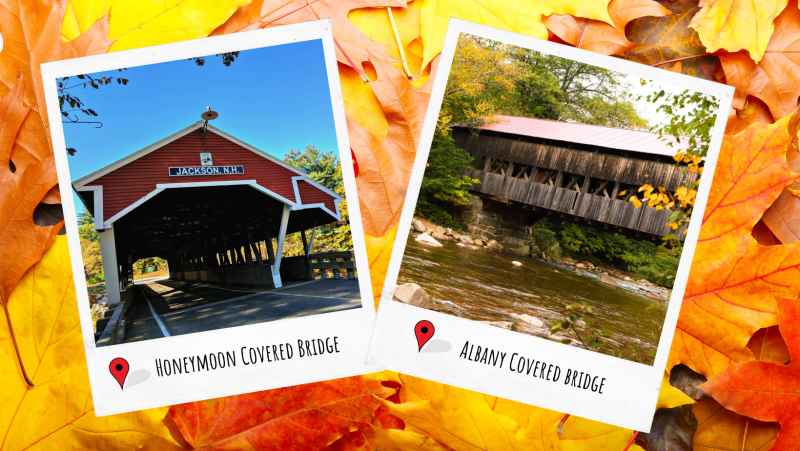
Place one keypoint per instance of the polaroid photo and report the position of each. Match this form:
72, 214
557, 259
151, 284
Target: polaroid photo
213, 248
545, 243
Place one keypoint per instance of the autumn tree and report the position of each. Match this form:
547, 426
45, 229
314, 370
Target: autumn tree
324, 168
90, 248
689, 120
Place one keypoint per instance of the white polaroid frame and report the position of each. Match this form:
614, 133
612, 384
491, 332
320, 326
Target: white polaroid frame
630, 389
352, 327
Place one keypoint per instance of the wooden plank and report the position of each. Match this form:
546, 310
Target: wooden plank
334, 265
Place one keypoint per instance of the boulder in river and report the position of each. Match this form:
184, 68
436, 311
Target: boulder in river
528, 319
440, 230
467, 239
427, 239
439, 236
448, 231
413, 294
508, 325
495, 245
653, 296
461, 244
580, 265
417, 225
456, 235
516, 263
609, 281
478, 243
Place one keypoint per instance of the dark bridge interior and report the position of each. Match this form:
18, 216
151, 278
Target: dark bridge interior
206, 222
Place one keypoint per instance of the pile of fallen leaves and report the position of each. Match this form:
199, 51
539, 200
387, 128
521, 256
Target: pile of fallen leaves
740, 321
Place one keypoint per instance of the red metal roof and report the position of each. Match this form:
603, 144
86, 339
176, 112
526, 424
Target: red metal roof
595, 135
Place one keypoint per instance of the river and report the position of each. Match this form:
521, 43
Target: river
484, 285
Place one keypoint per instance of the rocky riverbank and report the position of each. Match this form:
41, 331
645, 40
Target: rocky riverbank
431, 235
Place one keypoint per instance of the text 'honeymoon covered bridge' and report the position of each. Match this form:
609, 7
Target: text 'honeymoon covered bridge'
203, 203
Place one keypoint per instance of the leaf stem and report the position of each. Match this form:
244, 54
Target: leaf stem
681, 59
572, 326
14, 339
399, 42
561, 424
635, 433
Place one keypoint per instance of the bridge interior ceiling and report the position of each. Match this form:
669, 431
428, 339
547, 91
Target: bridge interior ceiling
215, 218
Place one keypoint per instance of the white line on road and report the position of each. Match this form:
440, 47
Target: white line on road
155, 315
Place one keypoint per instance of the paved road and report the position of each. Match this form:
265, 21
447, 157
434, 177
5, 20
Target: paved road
179, 308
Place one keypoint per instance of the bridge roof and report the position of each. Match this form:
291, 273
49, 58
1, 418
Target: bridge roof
595, 135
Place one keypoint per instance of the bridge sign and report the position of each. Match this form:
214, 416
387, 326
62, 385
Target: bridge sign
205, 170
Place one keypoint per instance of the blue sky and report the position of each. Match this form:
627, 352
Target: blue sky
275, 98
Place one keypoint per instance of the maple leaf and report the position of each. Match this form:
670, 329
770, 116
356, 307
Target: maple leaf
733, 26
302, 417
394, 440
465, 420
384, 165
263, 13
375, 24
729, 293
773, 79
137, 23
755, 110
361, 104
581, 434
783, 216
379, 251
720, 429
598, 36
662, 39
767, 391
58, 413
518, 16
592, 35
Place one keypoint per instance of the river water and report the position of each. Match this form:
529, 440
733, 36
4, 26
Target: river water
484, 285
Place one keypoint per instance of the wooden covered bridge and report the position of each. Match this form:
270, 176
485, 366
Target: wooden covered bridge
209, 204
584, 173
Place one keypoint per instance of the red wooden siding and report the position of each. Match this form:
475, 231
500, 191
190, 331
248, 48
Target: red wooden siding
310, 194
127, 184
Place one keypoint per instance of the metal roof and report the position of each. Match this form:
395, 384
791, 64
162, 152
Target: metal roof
595, 135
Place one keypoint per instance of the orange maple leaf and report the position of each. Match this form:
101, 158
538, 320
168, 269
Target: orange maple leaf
263, 13
598, 36
766, 391
31, 33
384, 165
729, 294
302, 417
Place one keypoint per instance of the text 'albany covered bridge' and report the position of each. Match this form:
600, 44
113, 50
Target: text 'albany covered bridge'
582, 172
207, 203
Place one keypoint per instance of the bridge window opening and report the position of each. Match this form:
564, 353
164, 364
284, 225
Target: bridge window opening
602, 188
146, 268
572, 181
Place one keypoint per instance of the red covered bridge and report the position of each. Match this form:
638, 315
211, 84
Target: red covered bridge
207, 206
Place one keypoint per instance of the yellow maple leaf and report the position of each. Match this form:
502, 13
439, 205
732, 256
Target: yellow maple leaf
465, 420
375, 23
519, 16
733, 25
361, 103
379, 250
669, 396
580, 434
57, 412
404, 440
141, 23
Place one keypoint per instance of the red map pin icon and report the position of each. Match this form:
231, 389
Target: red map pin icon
119, 369
424, 331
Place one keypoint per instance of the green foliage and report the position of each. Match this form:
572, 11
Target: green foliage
646, 260
691, 117
575, 313
544, 238
566, 90
322, 167
149, 265
442, 185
